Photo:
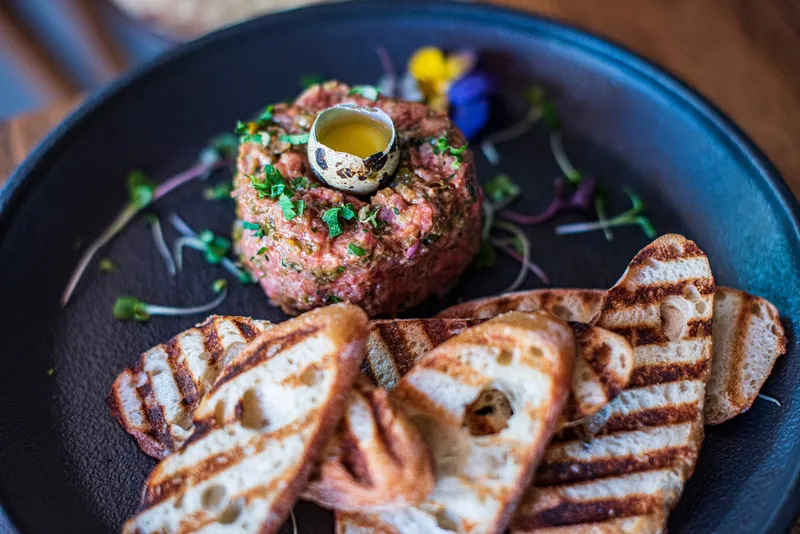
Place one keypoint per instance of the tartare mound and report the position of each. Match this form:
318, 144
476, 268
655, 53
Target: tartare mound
309, 245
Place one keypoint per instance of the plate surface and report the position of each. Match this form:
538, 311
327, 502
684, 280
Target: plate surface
65, 465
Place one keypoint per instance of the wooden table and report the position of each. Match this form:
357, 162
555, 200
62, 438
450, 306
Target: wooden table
741, 54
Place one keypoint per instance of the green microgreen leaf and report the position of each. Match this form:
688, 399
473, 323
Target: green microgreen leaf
355, 250
127, 308
218, 192
637, 206
140, 189
220, 285
367, 91
501, 189
486, 256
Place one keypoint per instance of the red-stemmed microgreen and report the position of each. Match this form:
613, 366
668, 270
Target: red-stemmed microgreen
520, 241
127, 308
142, 193
633, 216
214, 248
161, 244
578, 200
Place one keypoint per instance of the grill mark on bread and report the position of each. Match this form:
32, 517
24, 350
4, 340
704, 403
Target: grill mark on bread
246, 331
738, 350
198, 473
650, 375
211, 342
641, 335
187, 388
665, 254
557, 473
392, 335
658, 416
621, 297
264, 352
572, 513
154, 414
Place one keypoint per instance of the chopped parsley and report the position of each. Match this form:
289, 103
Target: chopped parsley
367, 217
247, 225
298, 139
261, 251
442, 146
355, 250
501, 189
333, 299
340, 269
396, 211
291, 209
266, 115
367, 91
301, 182
331, 218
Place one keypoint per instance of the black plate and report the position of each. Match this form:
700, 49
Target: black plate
65, 464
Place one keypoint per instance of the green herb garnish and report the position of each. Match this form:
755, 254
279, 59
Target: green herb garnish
367, 91
218, 192
298, 139
333, 299
633, 216
355, 250
51, 372
291, 209
442, 146
365, 216
301, 182
310, 80
501, 189
127, 308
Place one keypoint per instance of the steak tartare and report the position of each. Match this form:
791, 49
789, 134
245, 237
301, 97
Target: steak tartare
309, 245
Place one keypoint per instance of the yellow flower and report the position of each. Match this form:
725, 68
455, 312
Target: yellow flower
435, 72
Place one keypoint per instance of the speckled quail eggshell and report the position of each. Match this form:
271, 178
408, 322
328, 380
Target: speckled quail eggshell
348, 172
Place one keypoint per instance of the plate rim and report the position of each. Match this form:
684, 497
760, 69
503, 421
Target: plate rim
20, 182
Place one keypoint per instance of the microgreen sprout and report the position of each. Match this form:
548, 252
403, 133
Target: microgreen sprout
441, 145
161, 245
127, 308
218, 192
501, 190
215, 248
490, 142
142, 193
521, 241
600, 210
767, 398
580, 199
633, 216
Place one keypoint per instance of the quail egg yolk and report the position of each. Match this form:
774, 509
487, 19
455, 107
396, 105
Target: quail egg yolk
360, 137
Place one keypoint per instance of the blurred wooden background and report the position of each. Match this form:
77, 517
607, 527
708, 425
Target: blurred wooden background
741, 54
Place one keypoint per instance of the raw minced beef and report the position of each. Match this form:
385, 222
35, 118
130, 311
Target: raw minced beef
427, 221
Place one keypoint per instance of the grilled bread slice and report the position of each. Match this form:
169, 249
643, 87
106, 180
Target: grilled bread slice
154, 400
259, 429
748, 337
646, 442
487, 402
748, 332
376, 460
581, 305
602, 367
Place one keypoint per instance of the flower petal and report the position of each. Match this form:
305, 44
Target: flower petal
471, 117
471, 87
428, 63
460, 63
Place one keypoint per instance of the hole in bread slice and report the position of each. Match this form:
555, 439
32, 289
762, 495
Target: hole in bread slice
675, 316
489, 413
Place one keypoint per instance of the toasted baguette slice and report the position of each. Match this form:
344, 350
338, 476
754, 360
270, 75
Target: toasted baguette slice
602, 367
487, 402
748, 337
581, 305
748, 332
154, 400
259, 430
376, 460
646, 442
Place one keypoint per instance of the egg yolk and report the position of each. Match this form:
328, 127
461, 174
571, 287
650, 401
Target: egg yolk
359, 137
